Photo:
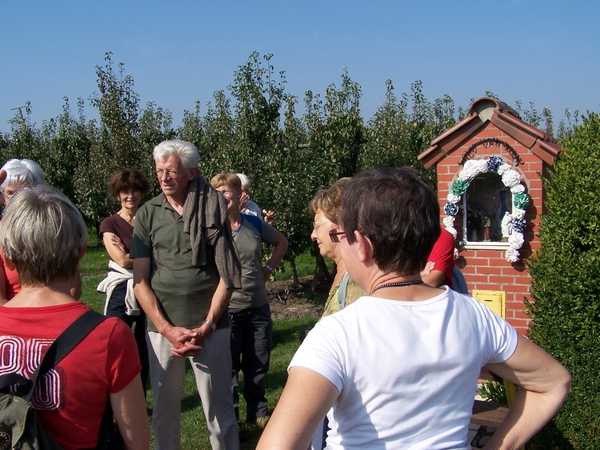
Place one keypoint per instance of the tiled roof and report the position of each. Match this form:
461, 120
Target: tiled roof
502, 116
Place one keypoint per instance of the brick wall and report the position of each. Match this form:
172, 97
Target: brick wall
487, 269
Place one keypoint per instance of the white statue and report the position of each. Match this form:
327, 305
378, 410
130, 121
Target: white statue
505, 226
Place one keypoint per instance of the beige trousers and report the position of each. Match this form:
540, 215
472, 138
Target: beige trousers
212, 370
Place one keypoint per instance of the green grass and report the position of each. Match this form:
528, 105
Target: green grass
285, 342
94, 262
193, 425
305, 265
90, 296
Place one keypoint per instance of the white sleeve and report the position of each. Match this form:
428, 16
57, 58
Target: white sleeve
322, 351
500, 336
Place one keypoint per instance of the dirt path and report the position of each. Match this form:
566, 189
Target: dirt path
289, 302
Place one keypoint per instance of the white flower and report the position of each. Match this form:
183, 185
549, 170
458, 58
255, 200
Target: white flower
466, 175
518, 213
516, 240
503, 168
482, 166
452, 198
511, 255
452, 231
472, 168
517, 189
448, 221
511, 178
471, 165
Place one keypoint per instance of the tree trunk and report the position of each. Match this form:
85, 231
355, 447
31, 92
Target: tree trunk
321, 271
294, 272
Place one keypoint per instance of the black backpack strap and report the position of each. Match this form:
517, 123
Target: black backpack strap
10, 379
63, 345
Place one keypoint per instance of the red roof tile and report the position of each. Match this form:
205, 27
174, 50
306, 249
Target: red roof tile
502, 116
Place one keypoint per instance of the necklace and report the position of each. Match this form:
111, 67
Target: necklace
399, 284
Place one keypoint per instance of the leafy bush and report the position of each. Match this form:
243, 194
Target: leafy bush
493, 391
566, 307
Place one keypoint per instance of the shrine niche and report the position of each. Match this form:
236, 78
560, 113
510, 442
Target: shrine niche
493, 205
491, 198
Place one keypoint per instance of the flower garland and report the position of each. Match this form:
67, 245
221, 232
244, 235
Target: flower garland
511, 179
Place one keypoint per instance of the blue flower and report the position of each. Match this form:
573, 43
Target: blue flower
517, 224
451, 209
493, 163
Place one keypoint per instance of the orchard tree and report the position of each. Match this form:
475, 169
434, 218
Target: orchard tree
217, 136
291, 186
567, 125
23, 141
192, 129
64, 143
155, 125
113, 143
401, 129
258, 95
385, 134
118, 106
335, 131
533, 117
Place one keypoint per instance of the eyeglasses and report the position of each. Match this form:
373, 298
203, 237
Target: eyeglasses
317, 225
333, 235
170, 172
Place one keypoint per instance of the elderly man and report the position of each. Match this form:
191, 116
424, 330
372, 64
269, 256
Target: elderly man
185, 267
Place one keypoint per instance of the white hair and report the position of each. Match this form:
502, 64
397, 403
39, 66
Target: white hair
23, 171
244, 179
184, 150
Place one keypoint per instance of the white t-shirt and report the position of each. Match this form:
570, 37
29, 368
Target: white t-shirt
406, 372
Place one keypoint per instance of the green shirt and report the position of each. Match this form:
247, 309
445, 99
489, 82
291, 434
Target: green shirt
248, 237
184, 291
353, 293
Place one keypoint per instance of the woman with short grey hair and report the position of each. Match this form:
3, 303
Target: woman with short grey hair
17, 173
20, 173
45, 239
44, 236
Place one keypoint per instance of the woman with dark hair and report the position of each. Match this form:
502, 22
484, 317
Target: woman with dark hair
399, 367
127, 187
43, 236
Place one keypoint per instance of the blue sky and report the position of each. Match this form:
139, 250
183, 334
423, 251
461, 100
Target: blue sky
181, 51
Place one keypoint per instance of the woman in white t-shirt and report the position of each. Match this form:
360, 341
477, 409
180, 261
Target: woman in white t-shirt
399, 367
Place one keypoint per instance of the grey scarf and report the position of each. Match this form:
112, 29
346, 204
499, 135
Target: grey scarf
205, 219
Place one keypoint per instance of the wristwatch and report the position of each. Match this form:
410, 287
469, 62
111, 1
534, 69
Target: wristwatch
210, 324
